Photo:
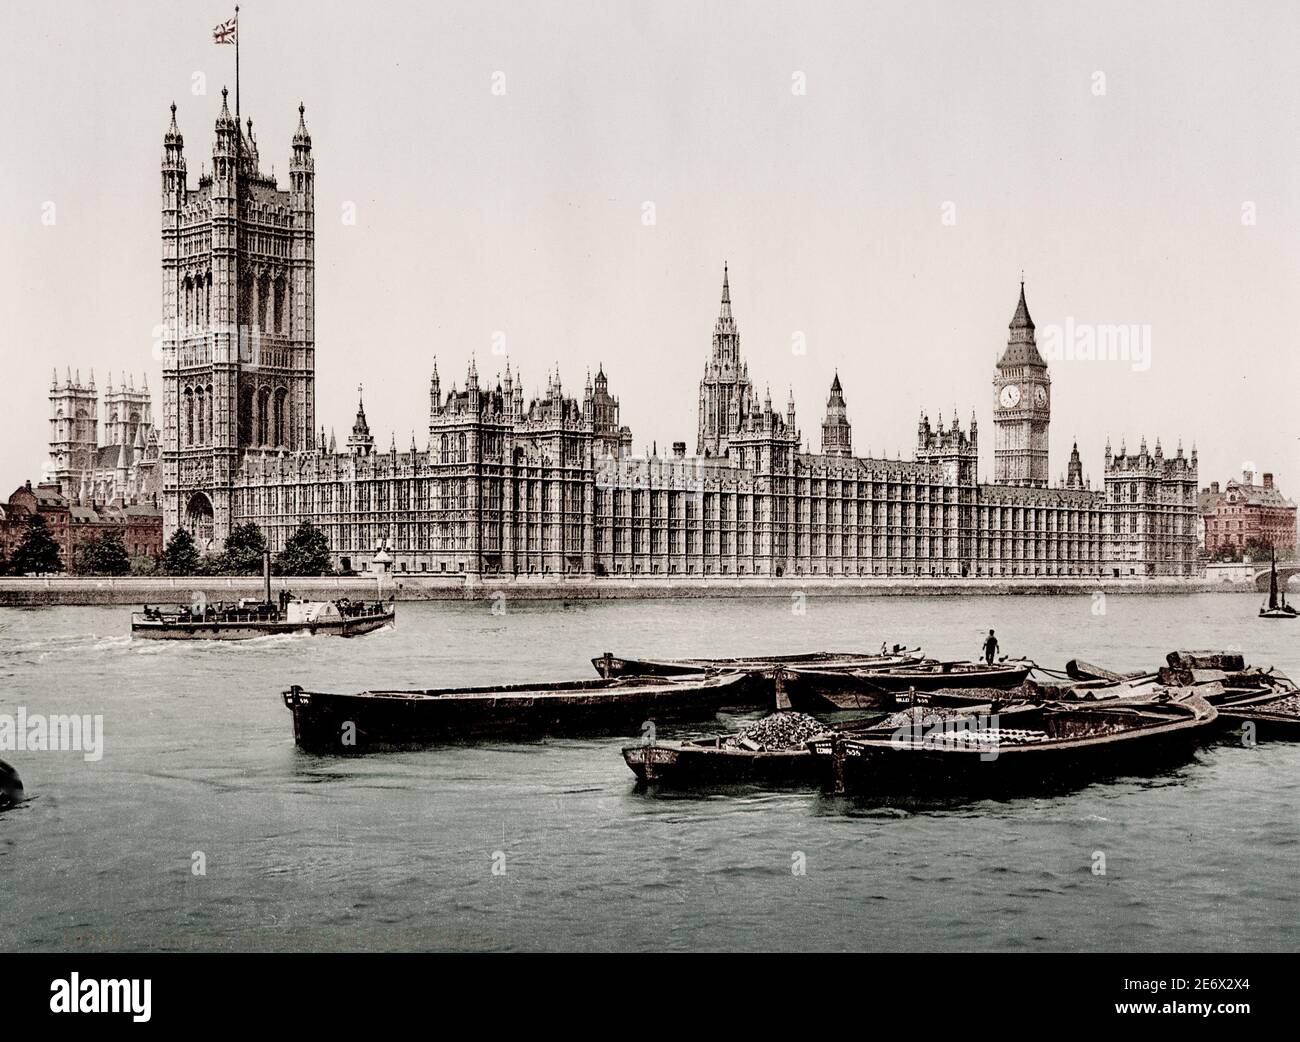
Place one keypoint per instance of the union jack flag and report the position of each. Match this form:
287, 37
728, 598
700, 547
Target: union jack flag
226, 32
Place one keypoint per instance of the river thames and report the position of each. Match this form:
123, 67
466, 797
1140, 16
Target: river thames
397, 850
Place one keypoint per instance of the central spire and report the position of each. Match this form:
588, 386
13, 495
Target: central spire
726, 324
1021, 348
1021, 319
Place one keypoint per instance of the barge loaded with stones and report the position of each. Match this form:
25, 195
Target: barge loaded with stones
773, 750
1023, 748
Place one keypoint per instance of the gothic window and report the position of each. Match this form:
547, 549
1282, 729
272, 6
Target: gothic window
189, 417
245, 416
208, 416
281, 407
264, 302
442, 456
200, 417
280, 325
464, 450
263, 416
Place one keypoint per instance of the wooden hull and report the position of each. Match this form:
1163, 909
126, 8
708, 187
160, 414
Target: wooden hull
1152, 738
613, 666
11, 786
1272, 716
218, 630
690, 763
350, 723
821, 690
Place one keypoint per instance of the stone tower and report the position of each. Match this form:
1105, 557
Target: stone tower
361, 442
74, 430
1022, 407
725, 392
238, 265
837, 432
127, 412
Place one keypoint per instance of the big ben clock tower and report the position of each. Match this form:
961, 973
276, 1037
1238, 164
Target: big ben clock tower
1022, 406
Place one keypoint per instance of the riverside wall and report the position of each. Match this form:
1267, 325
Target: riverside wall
83, 590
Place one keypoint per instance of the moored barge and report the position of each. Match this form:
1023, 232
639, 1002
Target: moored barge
1021, 748
818, 690
611, 665
771, 751
329, 722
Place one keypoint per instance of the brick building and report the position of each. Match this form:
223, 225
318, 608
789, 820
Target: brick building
73, 525
1245, 513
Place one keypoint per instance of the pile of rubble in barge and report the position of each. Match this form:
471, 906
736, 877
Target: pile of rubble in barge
784, 730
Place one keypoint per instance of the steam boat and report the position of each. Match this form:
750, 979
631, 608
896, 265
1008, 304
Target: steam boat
248, 617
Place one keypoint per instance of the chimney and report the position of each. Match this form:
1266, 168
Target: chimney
679, 449
1214, 487
1248, 477
1268, 480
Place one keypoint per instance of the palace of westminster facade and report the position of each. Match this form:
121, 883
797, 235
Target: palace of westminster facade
550, 487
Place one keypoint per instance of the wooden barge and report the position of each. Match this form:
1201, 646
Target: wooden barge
611, 665
763, 674
711, 761
354, 722
818, 690
1022, 748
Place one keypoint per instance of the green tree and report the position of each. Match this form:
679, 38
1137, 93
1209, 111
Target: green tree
1259, 549
37, 551
105, 554
244, 548
144, 566
306, 552
179, 556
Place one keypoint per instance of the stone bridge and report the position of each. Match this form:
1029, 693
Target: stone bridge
1284, 574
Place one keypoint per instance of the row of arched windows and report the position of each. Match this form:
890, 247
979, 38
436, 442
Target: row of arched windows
264, 302
453, 449
196, 415
264, 417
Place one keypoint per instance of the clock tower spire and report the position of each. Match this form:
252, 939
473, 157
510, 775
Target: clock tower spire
1021, 406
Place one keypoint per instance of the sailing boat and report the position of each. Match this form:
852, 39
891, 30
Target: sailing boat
1276, 609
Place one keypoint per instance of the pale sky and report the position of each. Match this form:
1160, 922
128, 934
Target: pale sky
1163, 194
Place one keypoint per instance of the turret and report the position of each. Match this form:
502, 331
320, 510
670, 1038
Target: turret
173, 167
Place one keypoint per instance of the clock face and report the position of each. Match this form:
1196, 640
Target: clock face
1040, 396
1010, 396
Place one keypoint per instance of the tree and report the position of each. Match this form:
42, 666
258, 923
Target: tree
244, 548
1260, 548
306, 552
179, 556
37, 551
144, 566
104, 554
